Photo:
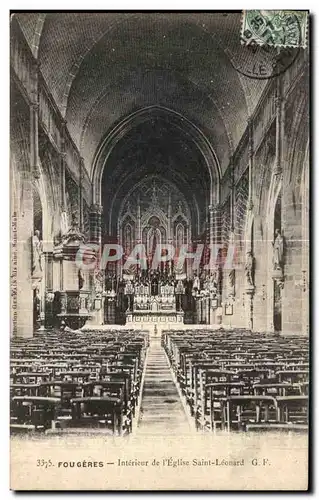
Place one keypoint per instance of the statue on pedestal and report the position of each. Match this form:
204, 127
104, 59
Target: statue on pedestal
278, 251
37, 251
249, 268
196, 283
212, 286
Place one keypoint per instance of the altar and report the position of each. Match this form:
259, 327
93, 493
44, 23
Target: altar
160, 308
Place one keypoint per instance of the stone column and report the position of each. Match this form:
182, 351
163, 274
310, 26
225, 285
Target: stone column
81, 194
211, 211
48, 281
251, 163
279, 128
249, 305
23, 326
34, 140
34, 124
232, 195
169, 217
139, 229
216, 217
292, 291
62, 168
189, 271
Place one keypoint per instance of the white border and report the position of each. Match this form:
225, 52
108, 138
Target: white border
4, 185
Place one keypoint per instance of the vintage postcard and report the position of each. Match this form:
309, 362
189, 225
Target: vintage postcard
159, 250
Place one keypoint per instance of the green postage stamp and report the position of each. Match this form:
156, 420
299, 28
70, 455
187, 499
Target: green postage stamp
277, 28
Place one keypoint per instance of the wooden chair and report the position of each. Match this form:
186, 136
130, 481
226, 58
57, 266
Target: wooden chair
245, 409
292, 409
98, 412
215, 394
36, 410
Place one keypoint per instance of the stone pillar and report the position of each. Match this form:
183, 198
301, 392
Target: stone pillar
34, 124
81, 194
62, 168
280, 128
48, 288
211, 211
34, 140
189, 264
292, 292
251, 164
232, 195
23, 326
249, 304
261, 250
95, 224
139, 229
169, 219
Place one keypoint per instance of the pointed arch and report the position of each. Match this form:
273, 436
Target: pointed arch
176, 120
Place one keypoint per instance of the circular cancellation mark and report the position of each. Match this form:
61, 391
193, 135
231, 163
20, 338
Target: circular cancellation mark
262, 54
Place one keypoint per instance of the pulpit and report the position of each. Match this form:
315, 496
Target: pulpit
75, 291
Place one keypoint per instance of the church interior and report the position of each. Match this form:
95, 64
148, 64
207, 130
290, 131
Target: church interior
133, 132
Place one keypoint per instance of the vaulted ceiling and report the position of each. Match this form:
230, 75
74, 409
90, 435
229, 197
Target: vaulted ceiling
100, 67
156, 149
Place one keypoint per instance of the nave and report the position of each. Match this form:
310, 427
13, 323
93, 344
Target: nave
162, 411
122, 382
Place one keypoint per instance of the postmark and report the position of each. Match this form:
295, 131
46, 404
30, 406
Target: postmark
270, 42
275, 28
262, 62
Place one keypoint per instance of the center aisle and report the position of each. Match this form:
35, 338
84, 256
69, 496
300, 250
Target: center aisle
161, 411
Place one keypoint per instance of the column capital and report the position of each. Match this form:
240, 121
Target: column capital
96, 208
213, 208
277, 171
36, 172
35, 106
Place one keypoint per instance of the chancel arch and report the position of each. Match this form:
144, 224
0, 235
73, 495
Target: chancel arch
171, 119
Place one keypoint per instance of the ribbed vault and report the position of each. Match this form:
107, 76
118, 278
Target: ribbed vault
152, 143
102, 66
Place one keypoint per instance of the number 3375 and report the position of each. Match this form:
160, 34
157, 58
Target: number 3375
44, 463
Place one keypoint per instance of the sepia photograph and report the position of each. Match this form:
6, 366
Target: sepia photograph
159, 246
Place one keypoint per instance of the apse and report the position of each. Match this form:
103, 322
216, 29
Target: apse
160, 159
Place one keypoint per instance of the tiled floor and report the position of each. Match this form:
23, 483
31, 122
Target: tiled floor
161, 411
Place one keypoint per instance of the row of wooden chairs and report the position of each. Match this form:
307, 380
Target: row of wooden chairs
75, 380
241, 380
